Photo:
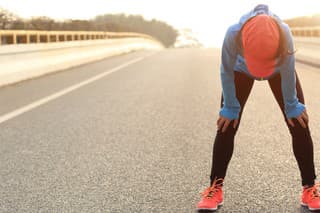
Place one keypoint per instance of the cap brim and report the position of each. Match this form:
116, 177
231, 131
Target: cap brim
260, 69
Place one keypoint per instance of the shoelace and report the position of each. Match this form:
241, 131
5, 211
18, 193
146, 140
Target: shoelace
314, 190
210, 192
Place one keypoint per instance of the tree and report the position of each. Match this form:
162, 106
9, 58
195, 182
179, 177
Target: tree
41, 23
136, 23
6, 18
18, 25
112, 23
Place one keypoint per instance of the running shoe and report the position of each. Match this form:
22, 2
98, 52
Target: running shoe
311, 197
212, 197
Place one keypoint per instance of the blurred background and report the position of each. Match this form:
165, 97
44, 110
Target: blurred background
196, 22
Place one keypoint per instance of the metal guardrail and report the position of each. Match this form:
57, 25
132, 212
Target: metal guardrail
29, 36
306, 31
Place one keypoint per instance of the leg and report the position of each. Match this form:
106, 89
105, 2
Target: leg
224, 142
301, 138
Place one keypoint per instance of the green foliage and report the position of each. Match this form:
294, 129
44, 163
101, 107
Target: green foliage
136, 23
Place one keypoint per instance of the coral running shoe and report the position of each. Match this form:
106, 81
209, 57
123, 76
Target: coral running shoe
212, 197
311, 197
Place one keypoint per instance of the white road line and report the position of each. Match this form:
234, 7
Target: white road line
45, 100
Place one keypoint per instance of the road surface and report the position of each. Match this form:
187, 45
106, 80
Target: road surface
140, 139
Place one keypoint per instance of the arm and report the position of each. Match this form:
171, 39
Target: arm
293, 108
231, 106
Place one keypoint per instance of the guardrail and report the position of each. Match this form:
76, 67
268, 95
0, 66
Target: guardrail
29, 36
306, 31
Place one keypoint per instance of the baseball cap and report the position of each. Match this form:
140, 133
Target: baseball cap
260, 42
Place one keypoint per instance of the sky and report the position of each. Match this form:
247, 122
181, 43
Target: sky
208, 19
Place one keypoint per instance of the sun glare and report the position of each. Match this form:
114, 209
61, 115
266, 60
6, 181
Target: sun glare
208, 19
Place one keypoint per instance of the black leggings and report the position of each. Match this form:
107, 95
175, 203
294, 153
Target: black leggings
301, 139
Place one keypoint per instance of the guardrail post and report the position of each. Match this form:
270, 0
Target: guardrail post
38, 38
14, 38
313, 32
27, 38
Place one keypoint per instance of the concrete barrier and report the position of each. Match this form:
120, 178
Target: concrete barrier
31, 36
308, 50
25, 61
307, 44
306, 31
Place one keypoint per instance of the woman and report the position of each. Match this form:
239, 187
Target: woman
260, 47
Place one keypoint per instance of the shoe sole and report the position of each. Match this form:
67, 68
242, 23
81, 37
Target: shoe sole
210, 209
306, 205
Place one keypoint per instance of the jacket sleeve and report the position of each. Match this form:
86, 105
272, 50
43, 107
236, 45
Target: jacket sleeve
293, 108
231, 106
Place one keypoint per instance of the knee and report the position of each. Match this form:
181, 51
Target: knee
297, 131
230, 132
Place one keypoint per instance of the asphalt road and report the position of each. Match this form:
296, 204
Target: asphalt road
140, 139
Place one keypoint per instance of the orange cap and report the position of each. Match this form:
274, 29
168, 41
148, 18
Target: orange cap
260, 42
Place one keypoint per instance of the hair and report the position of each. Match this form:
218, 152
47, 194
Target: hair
283, 49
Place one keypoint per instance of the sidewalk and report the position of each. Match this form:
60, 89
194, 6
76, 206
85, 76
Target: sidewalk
22, 62
308, 50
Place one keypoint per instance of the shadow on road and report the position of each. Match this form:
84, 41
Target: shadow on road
306, 210
302, 210
208, 211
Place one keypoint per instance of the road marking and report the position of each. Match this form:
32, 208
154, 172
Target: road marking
65, 91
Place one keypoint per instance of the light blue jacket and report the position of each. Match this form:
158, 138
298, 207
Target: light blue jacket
233, 61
